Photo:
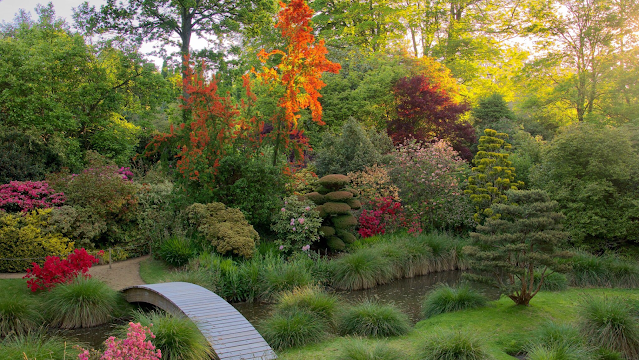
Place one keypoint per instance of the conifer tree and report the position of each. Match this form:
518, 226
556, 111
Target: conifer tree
517, 251
492, 175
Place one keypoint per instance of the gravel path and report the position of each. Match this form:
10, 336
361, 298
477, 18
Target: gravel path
122, 274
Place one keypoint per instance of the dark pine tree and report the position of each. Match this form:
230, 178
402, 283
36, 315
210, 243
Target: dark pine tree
517, 251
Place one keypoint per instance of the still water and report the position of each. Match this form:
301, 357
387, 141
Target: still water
407, 294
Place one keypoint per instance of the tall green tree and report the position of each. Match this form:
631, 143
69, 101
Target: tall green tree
172, 22
68, 94
516, 252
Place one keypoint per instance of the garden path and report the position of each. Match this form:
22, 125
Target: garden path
121, 274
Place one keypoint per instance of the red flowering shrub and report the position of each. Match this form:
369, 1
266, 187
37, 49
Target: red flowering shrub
386, 215
24, 196
56, 271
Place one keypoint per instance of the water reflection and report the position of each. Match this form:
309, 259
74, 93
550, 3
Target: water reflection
407, 294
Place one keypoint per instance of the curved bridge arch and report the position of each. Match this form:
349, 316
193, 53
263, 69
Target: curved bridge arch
231, 336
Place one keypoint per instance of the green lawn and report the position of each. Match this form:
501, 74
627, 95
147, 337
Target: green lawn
503, 326
153, 271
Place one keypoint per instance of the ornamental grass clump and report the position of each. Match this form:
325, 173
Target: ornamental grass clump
18, 314
441, 246
178, 338
552, 341
81, 303
453, 346
372, 319
309, 298
362, 269
292, 328
176, 251
285, 276
611, 323
357, 349
36, 345
448, 299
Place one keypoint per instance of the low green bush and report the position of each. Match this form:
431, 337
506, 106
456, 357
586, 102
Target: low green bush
19, 314
610, 323
310, 298
177, 337
448, 299
292, 328
82, 303
362, 269
37, 345
373, 319
552, 282
453, 346
357, 349
176, 251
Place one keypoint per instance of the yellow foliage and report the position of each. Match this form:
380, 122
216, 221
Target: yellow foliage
22, 236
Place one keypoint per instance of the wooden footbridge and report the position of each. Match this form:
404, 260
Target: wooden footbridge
231, 336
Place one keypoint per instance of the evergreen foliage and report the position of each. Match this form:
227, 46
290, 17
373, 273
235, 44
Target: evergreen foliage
506, 251
349, 152
493, 175
491, 109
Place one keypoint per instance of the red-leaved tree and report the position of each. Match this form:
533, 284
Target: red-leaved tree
426, 112
299, 74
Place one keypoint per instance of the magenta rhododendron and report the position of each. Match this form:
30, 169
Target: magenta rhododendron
24, 196
134, 347
386, 215
56, 271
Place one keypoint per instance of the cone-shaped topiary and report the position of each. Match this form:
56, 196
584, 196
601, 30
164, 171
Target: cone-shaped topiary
335, 202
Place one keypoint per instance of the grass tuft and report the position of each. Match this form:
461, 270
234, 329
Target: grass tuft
81, 303
611, 323
558, 352
36, 345
372, 319
310, 298
357, 349
453, 346
19, 315
448, 299
292, 328
177, 337
362, 269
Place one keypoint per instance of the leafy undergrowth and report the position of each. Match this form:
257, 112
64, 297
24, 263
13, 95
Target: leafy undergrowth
504, 327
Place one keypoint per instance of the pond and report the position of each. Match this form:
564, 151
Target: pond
407, 294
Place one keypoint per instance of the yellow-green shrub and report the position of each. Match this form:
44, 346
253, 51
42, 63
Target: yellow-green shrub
22, 236
226, 228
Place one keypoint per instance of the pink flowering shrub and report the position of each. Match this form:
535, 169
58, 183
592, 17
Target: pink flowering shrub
430, 177
134, 347
385, 216
23, 196
56, 271
296, 224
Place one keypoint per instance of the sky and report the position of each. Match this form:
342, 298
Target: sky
63, 8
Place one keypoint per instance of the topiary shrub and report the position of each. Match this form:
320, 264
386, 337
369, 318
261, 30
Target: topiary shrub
334, 202
226, 228
372, 319
25, 236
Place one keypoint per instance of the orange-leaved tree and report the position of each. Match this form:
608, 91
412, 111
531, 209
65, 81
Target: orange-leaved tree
217, 123
303, 60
